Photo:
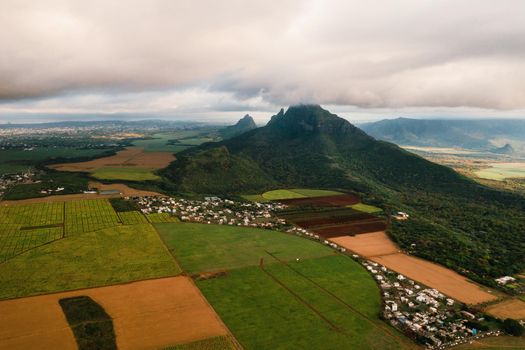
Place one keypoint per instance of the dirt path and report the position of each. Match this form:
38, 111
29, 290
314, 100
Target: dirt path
378, 247
148, 314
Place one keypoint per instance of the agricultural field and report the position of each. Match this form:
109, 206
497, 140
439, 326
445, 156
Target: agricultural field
15, 161
112, 255
14, 241
331, 297
132, 218
502, 171
175, 141
510, 308
125, 174
31, 215
156, 218
495, 343
332, 222
89, 215
131, 164
204, 248
215, 343
366, 208
297, 193
166, 312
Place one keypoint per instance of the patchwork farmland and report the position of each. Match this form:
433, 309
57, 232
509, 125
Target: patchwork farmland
260, 282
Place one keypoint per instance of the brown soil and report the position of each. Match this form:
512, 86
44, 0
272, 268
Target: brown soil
512, 308
325, 201
148, 314
354, 228
60, 198
130, 157
379, 248
436, 276
369, 244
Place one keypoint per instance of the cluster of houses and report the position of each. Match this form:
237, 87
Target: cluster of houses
214, 210
9, 180
422, 312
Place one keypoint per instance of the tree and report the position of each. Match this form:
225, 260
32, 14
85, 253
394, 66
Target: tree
513, 327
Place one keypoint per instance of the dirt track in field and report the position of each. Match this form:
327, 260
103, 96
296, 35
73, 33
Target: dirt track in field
130, 157
148, 314
378, 247
512, 308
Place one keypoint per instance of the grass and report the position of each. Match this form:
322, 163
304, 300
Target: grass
263, 314
91, 325
126, 174
160, 142
132, 218
366, 208
88, 259
297, 193
36, 214
14, 241
254, 198
502, 171
161, 217
215, 343
89, 215
496, 343
200, 248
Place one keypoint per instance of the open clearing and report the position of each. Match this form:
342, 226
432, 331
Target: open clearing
321, 303
379, 248
147, 315
202, 248
124, 190
130, 157
502, 171
125, 174
511, 308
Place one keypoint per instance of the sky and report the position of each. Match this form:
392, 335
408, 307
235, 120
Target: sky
213, 60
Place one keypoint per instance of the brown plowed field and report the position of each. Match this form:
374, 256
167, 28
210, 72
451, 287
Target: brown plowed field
325, 201
378, 247
369, 244
124, 189
512, 308
436, 276
148, 314
130, 157
354, 228
333, 220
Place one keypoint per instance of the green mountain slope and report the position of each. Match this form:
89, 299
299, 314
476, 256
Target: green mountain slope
455, 221
244, 124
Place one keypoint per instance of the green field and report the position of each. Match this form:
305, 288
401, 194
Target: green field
320, 303
125, 173
186, 138
502, 171
155, 218
297, 193
132, 218
113, 255
89, 215
14, 161
215, 343
366, 208
200, 248
496, 343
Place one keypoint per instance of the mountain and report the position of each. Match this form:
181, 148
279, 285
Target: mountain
506, 149
472, 134
454, 220
244, 124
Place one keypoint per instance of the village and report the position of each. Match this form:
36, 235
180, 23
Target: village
423, 313
214, 210
9, 180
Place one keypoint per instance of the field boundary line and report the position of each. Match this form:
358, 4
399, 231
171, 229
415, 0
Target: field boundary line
386, 329
301, 300
182, 272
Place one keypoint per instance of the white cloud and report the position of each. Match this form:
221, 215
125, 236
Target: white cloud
164, 56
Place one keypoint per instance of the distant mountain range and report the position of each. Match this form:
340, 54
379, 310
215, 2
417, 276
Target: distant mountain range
454, 220
471, 134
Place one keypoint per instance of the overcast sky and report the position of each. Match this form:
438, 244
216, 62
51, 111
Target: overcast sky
216, 60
